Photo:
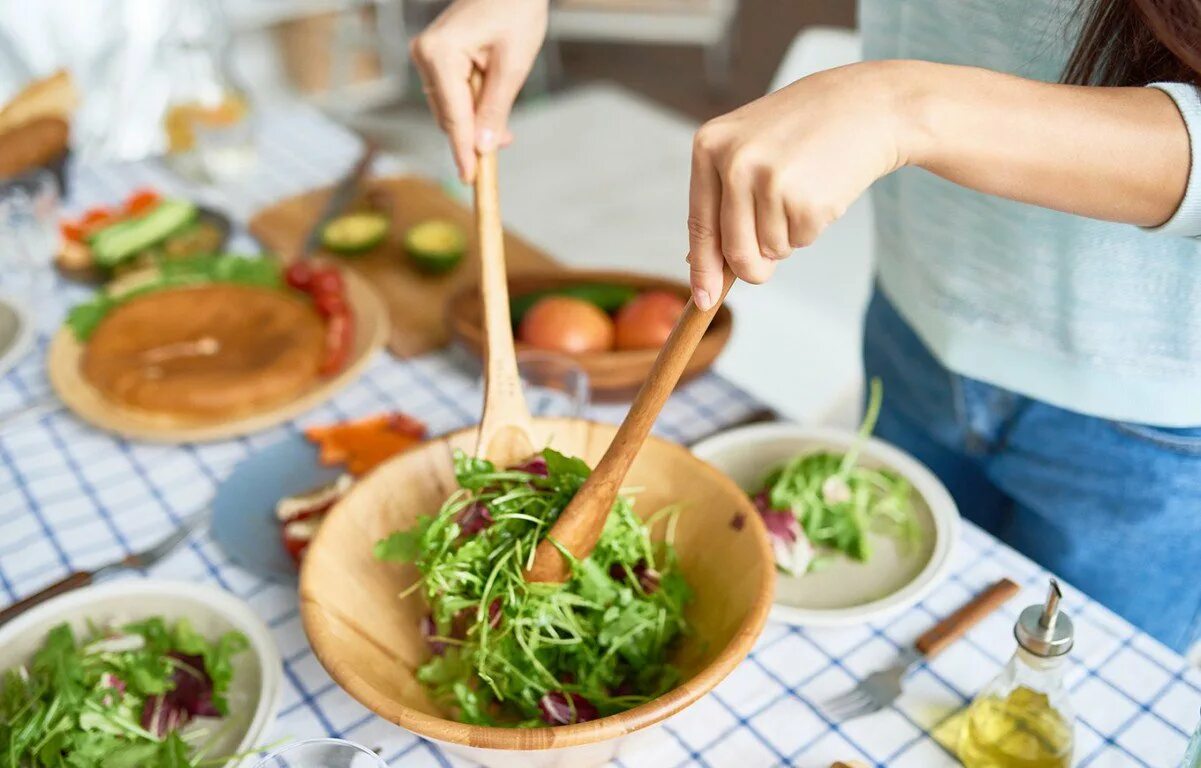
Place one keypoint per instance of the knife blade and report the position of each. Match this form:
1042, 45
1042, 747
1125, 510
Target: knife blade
341, 197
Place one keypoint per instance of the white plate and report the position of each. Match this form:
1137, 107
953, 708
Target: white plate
846, 592
16, 333
254, 692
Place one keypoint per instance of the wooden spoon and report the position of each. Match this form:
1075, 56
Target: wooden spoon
505, 436
580, 524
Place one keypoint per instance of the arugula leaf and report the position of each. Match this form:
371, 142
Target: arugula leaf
400, 546
565, 467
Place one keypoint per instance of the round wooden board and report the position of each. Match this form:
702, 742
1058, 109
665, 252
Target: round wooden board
63, 366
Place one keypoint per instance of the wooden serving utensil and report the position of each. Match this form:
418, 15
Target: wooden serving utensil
505, 426
581, 522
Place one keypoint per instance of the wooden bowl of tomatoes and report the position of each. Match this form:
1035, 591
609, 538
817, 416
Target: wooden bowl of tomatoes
611, 323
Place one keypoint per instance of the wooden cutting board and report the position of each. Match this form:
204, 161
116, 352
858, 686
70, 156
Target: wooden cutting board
415, 301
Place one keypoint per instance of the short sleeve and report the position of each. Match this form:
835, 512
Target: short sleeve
1186, 221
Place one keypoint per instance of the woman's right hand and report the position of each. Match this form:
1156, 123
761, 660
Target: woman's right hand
501, 39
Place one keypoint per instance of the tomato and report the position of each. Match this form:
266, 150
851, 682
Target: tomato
647, 320
330, 304
299, 275
339, 335
564, 324
72, 232
141, 201
327, 280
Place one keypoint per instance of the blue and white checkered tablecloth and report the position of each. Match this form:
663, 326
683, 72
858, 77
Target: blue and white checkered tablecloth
72, 497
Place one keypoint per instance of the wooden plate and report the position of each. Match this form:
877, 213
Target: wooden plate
63, 364
614, 375
370, 641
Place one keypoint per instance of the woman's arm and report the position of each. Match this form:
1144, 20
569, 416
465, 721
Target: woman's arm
1119, 154
773, 174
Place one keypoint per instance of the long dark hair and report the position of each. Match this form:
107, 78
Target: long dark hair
1135, 42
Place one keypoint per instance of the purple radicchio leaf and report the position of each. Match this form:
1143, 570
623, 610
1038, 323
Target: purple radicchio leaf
429, 631
560, 708
648, 578
534, 465
191, 696
473, 518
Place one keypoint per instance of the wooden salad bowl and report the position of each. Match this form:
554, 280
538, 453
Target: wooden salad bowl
371, 644
65, 357
612, 375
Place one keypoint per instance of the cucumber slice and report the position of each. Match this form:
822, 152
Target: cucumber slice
354, 233
123, 240
435, 246
609, 297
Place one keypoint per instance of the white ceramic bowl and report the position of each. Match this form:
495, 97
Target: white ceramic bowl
254, 692
846, 592
16, 332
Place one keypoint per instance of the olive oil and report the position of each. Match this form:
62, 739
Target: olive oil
1023, 718
1020, 730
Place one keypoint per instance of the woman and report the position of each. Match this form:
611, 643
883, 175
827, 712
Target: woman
1038, 319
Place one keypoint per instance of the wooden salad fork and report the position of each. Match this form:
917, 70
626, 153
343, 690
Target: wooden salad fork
882, 688
506, 434
581, 522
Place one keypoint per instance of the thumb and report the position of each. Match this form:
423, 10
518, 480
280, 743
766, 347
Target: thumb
502, 83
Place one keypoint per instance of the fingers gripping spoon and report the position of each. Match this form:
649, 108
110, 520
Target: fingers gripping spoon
581, 522
505, 427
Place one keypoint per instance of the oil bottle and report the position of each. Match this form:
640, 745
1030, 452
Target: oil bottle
1192, 758
1023, 718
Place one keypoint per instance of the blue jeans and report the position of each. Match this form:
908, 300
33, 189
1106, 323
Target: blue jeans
1113, 508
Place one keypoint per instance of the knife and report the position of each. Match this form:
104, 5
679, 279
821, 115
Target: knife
341, 197
138, 560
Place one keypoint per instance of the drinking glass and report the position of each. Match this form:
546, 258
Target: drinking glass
28, 232
226, 149
555, 386
322, 753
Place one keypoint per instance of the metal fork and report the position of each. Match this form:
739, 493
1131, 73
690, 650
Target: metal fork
881, 688
139, 560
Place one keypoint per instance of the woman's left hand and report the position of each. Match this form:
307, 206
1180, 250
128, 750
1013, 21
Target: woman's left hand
772, 175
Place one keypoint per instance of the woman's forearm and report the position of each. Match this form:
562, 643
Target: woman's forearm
1120, 154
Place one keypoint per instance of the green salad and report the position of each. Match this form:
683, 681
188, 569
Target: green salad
139, 695
513, 653
823, 505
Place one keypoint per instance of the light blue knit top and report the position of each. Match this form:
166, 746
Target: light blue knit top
1100, 318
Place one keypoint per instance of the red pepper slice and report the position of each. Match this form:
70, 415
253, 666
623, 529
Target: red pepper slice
141, 201
295, 547
95, 219
71, 231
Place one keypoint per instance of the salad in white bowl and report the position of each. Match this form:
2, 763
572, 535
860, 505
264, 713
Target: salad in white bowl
135, 673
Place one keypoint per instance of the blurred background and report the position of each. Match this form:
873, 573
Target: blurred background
598, 174
699, 57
